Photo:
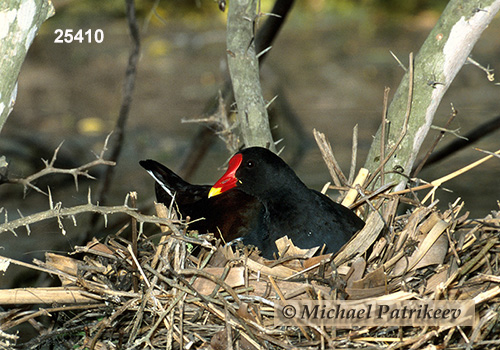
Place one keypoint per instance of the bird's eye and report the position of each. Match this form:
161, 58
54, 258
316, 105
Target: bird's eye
250, 164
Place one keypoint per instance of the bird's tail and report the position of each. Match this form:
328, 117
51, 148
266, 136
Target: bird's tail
169, 181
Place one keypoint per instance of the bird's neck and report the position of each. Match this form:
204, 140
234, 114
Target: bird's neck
284, 195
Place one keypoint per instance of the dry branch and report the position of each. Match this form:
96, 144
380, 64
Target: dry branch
58, 212
82, 170
336, 173
60, 295
126, 104
472, 136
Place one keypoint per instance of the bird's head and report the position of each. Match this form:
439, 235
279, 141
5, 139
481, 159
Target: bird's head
256, 171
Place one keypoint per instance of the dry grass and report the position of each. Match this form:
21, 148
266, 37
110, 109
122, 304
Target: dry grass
224, 298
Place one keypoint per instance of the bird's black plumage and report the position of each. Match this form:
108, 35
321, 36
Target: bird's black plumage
306, 216
233, 214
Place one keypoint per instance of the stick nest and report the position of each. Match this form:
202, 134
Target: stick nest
188, 291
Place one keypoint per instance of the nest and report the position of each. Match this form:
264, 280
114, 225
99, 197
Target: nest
181, 291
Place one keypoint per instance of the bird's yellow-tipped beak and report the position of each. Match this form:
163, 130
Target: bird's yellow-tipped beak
214, 191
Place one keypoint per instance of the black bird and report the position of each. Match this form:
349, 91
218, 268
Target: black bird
231, 215
306, 216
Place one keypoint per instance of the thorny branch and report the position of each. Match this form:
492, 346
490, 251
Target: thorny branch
472, 136
438, 138
454, 132
57, 211
221, 126
489, 71
82, 170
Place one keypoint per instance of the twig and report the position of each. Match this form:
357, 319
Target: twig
354, 154
405, 123
5, 260
282, 297
107, 322
438, 138
57, 211
82, 170
327, 153
351, 195
135, 278
123, 114
218, 281
472, 136
440, 181
252, 116
221, 126
488, 152
382, 133
398, 60
453, 132
489, 71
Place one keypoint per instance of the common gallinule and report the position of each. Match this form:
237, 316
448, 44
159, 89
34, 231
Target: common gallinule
306, 216
260, 199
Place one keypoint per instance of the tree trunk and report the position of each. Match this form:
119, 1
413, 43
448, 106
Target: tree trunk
439, 60
244, 70
19, 23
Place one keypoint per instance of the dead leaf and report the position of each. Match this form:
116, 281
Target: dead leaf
287, 248
234, 278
